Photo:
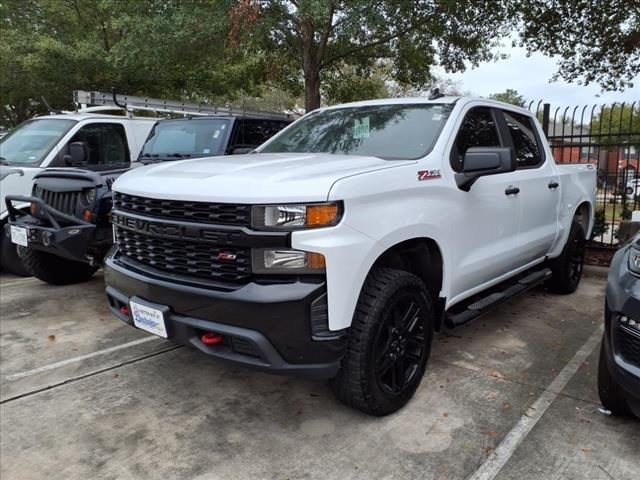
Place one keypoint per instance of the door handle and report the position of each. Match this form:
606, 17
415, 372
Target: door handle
512, 191
553, 185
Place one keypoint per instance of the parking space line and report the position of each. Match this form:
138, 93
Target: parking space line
70, 361
501, 455
22, 281
90, 374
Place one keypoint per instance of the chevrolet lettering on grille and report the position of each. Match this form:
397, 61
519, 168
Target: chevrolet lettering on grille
166, 230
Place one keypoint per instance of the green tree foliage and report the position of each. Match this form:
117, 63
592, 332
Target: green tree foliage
509, 96
322, 40
169, 48
619, 120
596, 41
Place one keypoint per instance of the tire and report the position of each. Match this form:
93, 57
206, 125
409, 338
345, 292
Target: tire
56, 270
389, 343
611, 395
567, 268
9, 258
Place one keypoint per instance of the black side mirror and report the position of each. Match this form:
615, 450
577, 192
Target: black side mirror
481, 161
78, 154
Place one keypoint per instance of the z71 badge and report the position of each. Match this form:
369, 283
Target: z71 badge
428, 174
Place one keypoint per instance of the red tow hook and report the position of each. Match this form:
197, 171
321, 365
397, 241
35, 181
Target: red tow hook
211, 338
124, 309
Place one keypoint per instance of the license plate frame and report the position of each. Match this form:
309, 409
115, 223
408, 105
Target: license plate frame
149, 317
19, 236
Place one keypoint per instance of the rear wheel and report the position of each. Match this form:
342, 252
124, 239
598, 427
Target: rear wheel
9, 258
389, 344
55, 270
611, 395
567, 268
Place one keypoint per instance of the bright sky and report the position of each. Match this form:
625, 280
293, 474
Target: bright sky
530, 77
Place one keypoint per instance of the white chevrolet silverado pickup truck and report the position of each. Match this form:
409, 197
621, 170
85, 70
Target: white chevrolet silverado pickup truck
339, 247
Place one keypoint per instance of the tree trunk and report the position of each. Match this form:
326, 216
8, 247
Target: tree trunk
311, 88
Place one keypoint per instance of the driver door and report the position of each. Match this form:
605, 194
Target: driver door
106, 143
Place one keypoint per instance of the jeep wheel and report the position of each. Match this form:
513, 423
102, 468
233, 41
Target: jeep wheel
389, 343
610, 393
9, 258
567, 268
55, 270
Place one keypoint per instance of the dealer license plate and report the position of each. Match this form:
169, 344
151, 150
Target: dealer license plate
19, 236
149, 319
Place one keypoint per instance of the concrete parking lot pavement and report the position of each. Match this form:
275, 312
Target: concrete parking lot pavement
511, 396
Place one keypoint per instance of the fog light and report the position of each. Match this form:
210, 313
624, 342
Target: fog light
287, 261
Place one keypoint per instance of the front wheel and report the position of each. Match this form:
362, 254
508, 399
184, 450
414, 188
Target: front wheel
567, 268
9, 258
610, 393
55, 270
389, 343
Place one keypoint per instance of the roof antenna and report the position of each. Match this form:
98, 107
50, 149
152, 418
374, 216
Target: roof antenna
435, 94
46, 104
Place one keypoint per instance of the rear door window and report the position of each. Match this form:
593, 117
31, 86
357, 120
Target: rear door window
525, 141
253, 133
478, 129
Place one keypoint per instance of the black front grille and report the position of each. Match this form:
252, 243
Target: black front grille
185, 257
200, 212
629, 346
65, 202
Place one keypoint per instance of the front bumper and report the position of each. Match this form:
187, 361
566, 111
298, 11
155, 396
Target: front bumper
46, 232
621, 341
267, 326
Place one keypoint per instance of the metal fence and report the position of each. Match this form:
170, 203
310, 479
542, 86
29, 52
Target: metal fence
607, 136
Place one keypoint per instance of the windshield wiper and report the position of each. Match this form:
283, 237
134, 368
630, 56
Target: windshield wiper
4, 161
179, 155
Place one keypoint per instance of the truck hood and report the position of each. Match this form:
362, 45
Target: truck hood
15, 180
262, 177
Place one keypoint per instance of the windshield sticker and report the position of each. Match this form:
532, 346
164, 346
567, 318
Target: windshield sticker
206, 150
437, 116
216, 133
361, 128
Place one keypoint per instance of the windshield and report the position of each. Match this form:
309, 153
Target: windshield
393, 132
186, 138
30, 142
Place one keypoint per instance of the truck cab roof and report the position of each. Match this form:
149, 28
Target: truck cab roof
80, 116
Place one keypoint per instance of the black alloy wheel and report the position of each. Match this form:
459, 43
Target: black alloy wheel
400, 346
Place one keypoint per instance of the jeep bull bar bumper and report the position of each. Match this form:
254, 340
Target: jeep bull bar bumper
51, 230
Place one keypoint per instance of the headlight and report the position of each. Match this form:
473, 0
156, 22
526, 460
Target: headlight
266, 260
634, 260
88, 197
294, 217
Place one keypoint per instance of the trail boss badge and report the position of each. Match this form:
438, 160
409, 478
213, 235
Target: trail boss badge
428, 174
